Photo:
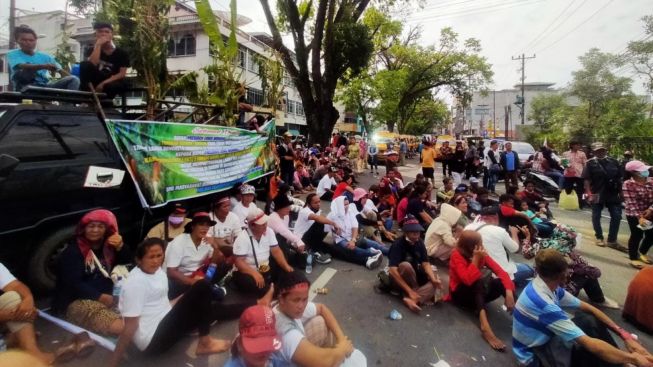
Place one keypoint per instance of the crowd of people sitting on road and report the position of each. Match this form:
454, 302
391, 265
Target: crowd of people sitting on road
241, 260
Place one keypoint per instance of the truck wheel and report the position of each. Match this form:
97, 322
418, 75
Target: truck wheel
43, 265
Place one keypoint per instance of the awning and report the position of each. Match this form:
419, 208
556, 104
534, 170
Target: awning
294, 132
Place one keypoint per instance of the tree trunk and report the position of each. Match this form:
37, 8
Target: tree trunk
390, 125
320, 123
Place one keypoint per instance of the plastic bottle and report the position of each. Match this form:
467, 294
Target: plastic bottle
210, 271
117, 287
309, 263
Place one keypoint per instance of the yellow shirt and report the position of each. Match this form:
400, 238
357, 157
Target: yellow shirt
428, 158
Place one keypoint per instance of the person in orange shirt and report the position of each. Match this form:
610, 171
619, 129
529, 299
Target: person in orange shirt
428, 161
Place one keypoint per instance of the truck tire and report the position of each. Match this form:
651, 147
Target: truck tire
42, 265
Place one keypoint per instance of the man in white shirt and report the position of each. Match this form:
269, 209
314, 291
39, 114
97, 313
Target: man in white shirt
227, 226
17, 304
499, 244
253, 248
294, 248
326, 186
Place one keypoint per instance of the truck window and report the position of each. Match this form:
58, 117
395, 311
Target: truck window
46, 137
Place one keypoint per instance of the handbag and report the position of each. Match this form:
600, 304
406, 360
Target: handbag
264, 269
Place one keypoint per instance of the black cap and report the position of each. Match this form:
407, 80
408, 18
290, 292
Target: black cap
281, 201
489, 210
100, 25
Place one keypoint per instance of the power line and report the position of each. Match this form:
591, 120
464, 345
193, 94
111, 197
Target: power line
474, 11
555, 20
578, 26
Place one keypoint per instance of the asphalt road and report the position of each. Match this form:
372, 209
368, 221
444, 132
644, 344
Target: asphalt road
415, 340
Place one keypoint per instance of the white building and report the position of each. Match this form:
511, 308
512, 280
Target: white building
188, 50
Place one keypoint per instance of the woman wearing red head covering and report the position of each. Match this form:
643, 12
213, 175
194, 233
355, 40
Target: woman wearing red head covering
84, 285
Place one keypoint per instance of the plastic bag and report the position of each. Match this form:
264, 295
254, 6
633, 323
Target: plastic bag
568, 201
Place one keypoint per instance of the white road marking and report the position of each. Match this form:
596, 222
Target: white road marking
321, 281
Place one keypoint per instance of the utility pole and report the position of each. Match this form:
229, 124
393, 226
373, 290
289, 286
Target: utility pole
506, 115
522, 102
12, 24
494, 113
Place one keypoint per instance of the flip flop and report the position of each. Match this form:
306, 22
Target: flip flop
65, 353
84, 345
637, 264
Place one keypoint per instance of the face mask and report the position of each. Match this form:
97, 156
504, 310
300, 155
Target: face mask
175, 220
643, 174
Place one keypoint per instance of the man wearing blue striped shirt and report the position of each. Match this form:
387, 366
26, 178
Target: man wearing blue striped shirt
543, 335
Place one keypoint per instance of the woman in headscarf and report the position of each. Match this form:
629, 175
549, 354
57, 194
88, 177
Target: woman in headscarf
84, 285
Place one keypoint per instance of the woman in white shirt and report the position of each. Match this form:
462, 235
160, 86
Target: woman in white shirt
227, 226
297, 319
153, 322
245, 204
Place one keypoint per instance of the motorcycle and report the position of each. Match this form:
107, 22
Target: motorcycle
544, 184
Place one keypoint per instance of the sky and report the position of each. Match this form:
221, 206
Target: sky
557, 32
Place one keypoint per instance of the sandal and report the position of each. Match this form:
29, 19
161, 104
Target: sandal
65, 353
84, 345
637, 264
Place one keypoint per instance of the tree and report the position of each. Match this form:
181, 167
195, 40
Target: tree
271, 74
640, 56
595, 83
87, 6
358, 94
143, 27
413, 73
430, 114
544, 108
334, 44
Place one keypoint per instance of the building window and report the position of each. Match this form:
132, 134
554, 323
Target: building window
252, 64
299, 108
255, 96
291, 106
183, 45
2, 65
242, 57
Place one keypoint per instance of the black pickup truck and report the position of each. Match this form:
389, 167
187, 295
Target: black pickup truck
45, 152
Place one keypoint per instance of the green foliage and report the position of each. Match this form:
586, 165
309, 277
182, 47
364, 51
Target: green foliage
86, 6
352, 48
223, 88
430, 114
143, 28
63, 53
607, 112
271, 74
595, 83
640, 56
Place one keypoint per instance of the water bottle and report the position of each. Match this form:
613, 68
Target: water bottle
309, 263
210, 271
117, 287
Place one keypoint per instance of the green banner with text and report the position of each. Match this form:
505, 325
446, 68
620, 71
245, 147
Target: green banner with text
175, 161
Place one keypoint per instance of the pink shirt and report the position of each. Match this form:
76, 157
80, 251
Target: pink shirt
280, 226
577, 161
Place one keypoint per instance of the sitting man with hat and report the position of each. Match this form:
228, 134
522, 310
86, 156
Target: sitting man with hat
253, 248
188, 256
410, 270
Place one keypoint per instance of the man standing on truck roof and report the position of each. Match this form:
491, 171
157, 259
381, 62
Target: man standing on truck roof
30, 67
107, 65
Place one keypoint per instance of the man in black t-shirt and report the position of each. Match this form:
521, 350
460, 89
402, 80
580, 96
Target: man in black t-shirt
603, 177
107, 65
410, 270
287, 159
